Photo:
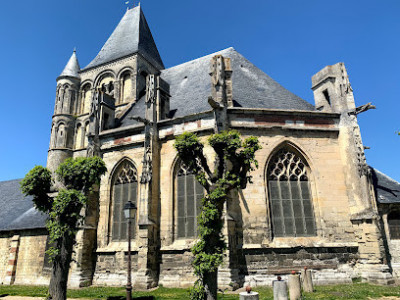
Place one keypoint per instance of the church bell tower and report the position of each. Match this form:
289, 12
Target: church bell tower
63, 124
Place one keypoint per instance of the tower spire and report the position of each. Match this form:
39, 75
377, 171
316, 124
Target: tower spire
72, 67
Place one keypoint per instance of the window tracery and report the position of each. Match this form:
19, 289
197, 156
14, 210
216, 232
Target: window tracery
289, 194
124, 189
189, 193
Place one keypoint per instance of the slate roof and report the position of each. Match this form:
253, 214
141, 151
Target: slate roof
132, 35
17, 211
190, 87
72, 67
387, 190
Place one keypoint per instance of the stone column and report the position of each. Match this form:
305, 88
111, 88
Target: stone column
135, 90
371, 264
294, 286
280, 289
82, 267
306, 279
248, 296
12, 261
81, 103
146, 276
117, 92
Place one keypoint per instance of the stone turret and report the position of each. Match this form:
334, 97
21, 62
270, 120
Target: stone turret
333, 93
332, 89
62, 130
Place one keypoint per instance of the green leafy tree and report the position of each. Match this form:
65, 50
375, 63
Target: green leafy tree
234, 161
76, 178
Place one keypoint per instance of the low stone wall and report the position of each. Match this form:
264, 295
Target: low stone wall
176, 269
258, 267
330, 265
111, 268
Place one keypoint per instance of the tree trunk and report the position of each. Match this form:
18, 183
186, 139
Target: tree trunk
59, 276
211, 285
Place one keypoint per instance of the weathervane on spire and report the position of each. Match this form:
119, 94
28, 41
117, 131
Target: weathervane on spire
127, 3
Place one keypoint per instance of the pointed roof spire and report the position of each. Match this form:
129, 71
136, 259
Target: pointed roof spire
132, 35
72, 67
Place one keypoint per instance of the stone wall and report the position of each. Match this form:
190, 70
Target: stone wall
176, 269
330, 265
317, 143
31, 257
5, 240
111, 268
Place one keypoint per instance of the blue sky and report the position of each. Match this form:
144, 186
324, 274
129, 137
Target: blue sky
290, 40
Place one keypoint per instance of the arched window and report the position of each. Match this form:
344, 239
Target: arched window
290, 196
124, 189
188, 195
85, 99
61, 140
126, 87
394, 225
78, 137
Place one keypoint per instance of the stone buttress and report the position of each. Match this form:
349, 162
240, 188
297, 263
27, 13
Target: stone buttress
333, 93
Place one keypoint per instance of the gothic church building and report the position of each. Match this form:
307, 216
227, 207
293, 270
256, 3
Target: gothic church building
314, 202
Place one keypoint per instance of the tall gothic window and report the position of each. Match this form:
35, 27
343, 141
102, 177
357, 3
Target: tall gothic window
188, 195
394, 225
289, 195
124, 189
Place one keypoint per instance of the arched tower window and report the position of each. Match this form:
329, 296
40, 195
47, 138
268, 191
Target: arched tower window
292, 211
85, 99
124, 189
106, 84
189, 192
141, 84
78, 137
126, 87
394, 225
61, 139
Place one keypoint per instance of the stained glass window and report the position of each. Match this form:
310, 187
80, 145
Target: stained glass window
290, 197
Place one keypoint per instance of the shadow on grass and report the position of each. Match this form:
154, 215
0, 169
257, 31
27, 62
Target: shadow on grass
135, 298
4, 295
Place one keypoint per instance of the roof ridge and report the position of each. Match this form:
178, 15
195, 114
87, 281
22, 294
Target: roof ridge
385, 175
193, 60
9, 180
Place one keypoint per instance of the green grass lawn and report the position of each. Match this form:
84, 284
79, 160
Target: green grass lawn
354, 291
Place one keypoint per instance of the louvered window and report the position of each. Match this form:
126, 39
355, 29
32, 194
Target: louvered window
124, 189
394, 225
188, 193
289, 195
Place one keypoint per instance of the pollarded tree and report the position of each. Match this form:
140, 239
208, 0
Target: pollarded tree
76, 178
234, 161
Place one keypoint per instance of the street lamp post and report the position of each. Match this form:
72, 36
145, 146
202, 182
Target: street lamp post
130, 213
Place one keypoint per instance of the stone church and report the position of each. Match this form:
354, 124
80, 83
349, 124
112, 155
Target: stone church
314, 202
